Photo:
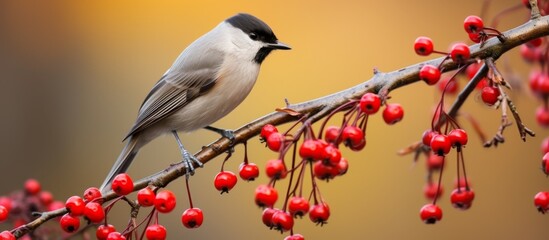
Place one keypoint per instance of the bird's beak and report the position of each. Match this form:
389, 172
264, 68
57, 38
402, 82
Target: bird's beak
279, 45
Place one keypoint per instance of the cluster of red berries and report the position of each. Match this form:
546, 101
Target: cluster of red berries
460, 53
19, 206
535, 52
321, 154
439, 141
441, 144
90, 207
541, 199
226, 180
430, 74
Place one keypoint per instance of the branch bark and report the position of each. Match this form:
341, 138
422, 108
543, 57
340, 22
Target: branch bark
318, 108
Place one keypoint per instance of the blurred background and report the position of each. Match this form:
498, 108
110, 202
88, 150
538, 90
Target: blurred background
74, 73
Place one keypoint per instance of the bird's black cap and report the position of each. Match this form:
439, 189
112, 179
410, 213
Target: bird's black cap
253, 26
257, 30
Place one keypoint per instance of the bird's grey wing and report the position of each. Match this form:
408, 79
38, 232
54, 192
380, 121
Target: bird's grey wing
186, 80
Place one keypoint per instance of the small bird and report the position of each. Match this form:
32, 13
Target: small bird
209, 79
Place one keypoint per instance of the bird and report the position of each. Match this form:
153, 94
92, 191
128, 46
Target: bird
208, 80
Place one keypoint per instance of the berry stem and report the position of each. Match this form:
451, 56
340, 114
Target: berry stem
245, 143
229, 154
332, 113
189, 192
439, 180
460, 155
291, 180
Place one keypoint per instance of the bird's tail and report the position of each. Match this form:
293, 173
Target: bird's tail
122, 163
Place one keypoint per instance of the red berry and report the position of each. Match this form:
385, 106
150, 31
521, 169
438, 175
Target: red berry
46, 198
69, 223
296, 236
122, 184
440, 144
319, 213
490, 95
331, 134
6, 202
369, 103
225, 181
462, 198
448, 85
75, 205
534, 83
298, 206
55, 205
545, 164
530, 54
473, 24
267, 216
358, 146
460, 53
430, 213
276, 169
429, 74
146, 197
94, 212
310, 150
3, 213
32, 187
325, 172
475, 37
541, 201
342, 166
7, 235
542, 84
427, 136
542, 116
103, 231
115, 236
393, 113
165, 201
92, 193
434, 162
265, 196
275, 141
352, 136
267, 130
423, 46
458, 137
430, 190
472, 70
282, 221
192, 218
155, 232
544, 146
248, 171
331, 155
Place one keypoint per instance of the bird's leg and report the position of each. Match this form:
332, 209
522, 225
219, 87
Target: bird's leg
188, 159
224, 133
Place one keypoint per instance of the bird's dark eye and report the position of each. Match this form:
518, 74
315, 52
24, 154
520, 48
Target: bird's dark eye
253, 36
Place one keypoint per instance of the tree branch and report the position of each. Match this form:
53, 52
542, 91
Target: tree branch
319, 108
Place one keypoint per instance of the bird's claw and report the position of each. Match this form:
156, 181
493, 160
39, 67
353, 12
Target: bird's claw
189, 161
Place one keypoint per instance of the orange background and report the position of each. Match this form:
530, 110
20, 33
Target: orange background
73, 74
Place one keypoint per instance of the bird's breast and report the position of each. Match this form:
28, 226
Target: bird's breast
233, 84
